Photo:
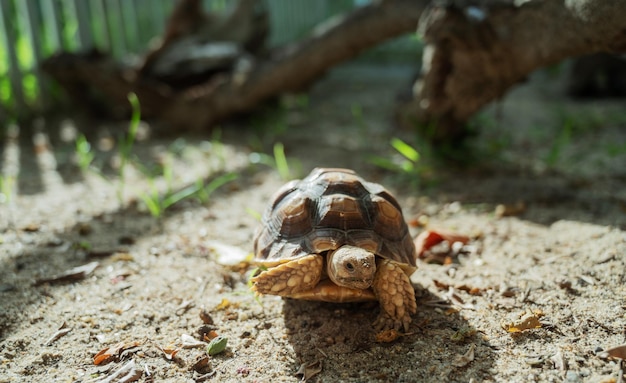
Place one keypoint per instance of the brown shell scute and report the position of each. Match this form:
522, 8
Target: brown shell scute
331, 208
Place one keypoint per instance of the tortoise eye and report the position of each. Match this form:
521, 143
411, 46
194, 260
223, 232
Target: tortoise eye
349, 267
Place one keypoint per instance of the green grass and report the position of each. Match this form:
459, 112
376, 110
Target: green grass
157, 204
7, 184
204, 191
562, 140
278, 162
408, 163
84, 154
126, 144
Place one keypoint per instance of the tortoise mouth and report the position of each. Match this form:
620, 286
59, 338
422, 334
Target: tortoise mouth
354, 283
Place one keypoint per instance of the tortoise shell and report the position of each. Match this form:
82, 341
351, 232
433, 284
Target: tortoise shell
328, 209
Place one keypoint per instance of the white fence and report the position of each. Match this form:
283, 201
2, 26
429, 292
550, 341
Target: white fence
31, 30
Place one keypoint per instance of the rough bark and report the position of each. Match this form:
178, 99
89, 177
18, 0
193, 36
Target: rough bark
287, 69
476, 51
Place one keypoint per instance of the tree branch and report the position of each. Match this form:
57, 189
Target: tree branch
287, 69
473, 55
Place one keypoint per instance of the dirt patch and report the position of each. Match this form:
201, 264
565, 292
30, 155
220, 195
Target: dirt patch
560, 259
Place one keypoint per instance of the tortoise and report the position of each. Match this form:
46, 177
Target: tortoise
335, 237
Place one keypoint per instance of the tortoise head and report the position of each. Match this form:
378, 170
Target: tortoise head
352, 267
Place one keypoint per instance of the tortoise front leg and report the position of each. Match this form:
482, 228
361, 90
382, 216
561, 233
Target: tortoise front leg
396, 296
290, 278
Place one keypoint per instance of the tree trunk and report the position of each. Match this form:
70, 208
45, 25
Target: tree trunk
474, 54
287, 69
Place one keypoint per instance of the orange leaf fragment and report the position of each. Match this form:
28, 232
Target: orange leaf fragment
618, 351
107, 354
429, 238
387, 336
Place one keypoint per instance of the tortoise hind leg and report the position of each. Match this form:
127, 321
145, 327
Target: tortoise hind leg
289, 278
396, 296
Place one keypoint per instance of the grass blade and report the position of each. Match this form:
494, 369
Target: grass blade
405, 149
281, 161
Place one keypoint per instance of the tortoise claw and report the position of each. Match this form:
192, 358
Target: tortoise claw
386, 322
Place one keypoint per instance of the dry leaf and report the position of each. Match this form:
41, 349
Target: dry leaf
202, 365
463, 333
228, 255
223, 305
190, 342
618, 351
526, 321
62, 331
125, 374
122, 256
108, 354
465, 359
73, 274
206, 317
559, 361
211, 335
183, 307
169, 352
503, 210
387, 336
309, 370
430, 238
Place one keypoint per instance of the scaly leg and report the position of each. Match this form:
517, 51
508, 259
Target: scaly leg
289, 278
396, 296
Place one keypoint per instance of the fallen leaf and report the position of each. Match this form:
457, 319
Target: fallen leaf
62, 331
508, 210
387, 336
183, 307
617, 351
217, 345
122, 256
169, 352
309, 370
31, 228
465, 359
108, 354
559, 361
202, 365
190, 342
73, 274
228, 255
223, 305
206, 317
429, 238
526, 321
211, 335
125, 374
462, 334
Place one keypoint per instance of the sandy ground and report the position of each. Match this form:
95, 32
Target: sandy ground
558, 263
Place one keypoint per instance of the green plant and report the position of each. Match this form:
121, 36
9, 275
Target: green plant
408, 161
6, 189
279, 161
126, 143
157, 203
204, 191
84, 154
562, 140
408, 164
614, 150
